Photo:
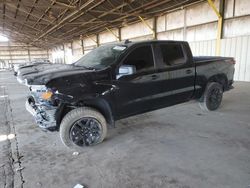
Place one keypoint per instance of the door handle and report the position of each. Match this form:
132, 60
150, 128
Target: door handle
189, 71
154, 76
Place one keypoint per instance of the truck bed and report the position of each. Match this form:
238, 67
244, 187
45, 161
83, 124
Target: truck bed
207, 66
207, 59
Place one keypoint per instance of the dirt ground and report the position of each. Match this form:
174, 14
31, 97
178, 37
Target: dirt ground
176, 147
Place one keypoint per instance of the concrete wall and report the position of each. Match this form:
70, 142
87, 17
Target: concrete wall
15, 53
108, 37
196, 24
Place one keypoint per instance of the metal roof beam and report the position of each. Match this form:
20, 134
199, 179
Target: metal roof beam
28, 15
63, 4
133, 12
64, 19
10, 5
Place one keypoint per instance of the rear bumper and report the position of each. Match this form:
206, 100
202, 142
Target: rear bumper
44, 115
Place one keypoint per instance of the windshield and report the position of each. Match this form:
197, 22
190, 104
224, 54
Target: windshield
101, 57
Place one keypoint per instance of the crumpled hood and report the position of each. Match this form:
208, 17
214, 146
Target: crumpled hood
27, 66
41, 75
32, 69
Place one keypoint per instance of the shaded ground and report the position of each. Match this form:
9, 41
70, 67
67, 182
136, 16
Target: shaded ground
6, 169
176, 147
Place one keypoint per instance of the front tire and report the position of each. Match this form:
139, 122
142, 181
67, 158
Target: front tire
83, 127
212, 97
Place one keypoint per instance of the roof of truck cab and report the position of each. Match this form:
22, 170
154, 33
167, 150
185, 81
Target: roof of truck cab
131, 43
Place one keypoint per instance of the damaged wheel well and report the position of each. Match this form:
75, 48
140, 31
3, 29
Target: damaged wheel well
61, 112
101, 105
220, 78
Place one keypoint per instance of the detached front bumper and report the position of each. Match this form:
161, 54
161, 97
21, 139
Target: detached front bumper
44, 114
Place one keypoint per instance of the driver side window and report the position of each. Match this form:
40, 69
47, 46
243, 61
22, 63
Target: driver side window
141, 58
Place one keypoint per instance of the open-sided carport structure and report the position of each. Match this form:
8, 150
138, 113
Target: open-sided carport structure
74, 27
45, 23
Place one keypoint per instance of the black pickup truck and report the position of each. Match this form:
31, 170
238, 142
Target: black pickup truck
120, 80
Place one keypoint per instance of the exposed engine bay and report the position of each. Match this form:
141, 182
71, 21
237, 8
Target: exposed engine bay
42, 109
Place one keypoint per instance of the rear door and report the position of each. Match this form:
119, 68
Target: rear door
176, 71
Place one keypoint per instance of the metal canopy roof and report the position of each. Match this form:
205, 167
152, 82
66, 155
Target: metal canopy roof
45, 23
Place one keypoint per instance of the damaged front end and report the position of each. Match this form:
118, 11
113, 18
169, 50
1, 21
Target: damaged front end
42, 107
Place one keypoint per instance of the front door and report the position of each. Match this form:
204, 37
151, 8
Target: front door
135, 93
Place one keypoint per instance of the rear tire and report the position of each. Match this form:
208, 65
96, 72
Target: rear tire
212, 97
83, 127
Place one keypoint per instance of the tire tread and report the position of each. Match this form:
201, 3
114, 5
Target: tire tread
75, 114
203, 99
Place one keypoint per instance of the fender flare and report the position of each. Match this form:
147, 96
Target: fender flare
220, 78
103, 107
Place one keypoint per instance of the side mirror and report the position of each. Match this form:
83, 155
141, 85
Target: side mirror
126, 70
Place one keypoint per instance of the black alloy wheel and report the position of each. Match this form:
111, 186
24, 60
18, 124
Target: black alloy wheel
212, 97
85, 132
83, 126
215, 98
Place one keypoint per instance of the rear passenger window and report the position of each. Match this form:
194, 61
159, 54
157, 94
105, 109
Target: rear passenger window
141, 58
172, 54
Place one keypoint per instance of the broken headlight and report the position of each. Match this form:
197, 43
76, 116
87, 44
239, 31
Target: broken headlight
41, 91
47, 95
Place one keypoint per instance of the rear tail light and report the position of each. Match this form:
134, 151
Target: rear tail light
231, 60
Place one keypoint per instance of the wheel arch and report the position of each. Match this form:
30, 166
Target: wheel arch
219, 78
99, 104
103, 107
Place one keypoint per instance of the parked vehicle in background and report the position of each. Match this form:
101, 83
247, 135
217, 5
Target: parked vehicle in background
4, 64
121, 80
31, 70
18, 67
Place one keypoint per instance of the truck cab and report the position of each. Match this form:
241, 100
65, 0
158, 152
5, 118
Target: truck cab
152, 75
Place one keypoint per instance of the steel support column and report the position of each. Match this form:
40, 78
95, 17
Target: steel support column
82, 45
29, 54
98, 40
11, 61
72, 50
220, 23
64, 55
155, 27
119, 34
